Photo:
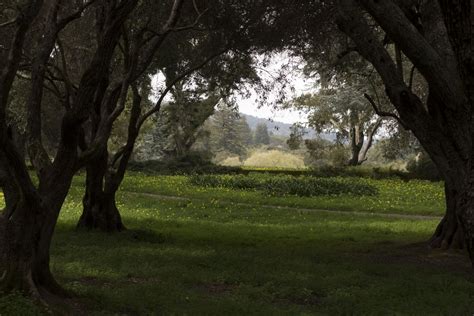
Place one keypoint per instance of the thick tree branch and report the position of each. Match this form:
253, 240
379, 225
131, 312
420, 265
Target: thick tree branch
168, 88
447, 84
8, 72
132, 133
8, 23
68, 19
352, 22
158, 38
174, 15
372, 130
69, 86
44, 45
14, 162
190, 26
399, 60
412, 76
136, 62
91, 85
435, 32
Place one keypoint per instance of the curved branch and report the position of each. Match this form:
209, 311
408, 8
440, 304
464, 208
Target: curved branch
168, 88
65, 21
190, 26
369, 139
8, 23
446, 82
383, 113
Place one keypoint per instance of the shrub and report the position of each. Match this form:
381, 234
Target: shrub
227, 181
309, 186
338, 156
360, 172
323, 153
422, 167
286, 184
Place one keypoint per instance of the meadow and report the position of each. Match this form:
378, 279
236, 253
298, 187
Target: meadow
415, 197
267, 158
202, 246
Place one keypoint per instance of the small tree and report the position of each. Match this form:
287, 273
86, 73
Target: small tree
297, 131
261, 135
322, 152
343, 109
244, 131
225, 130
180, 122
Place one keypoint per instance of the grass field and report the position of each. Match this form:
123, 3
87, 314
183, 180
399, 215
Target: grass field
220, 251
395, 196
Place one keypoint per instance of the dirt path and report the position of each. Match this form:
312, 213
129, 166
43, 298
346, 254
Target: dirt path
289, 208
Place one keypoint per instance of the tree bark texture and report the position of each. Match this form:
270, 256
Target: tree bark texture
99, 207
442, 53
32, 210
449, 232
25, 239
104, 177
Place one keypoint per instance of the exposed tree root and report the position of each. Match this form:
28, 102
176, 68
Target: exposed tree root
448, 234
48, 294
101, 214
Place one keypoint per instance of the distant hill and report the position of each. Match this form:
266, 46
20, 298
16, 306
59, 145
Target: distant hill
279, 128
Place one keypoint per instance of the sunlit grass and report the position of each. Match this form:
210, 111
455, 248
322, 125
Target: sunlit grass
274, 159
395, 196
205, 258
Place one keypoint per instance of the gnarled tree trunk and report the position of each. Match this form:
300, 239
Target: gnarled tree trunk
441, 51
99, 208
449, 232
104, 178
27, 226
25, 238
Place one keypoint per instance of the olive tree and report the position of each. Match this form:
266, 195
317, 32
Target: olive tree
436, 37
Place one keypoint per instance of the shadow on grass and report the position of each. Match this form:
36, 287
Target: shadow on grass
330, 264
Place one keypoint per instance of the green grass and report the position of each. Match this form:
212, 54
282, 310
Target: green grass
212, 256
287, 185
394, 195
